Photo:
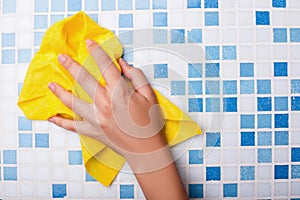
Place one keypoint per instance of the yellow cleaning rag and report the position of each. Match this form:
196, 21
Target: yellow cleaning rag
38, 103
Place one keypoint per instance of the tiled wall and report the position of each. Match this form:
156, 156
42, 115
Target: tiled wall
243, 87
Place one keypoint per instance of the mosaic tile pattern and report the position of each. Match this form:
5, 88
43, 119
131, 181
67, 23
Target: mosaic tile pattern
243, 89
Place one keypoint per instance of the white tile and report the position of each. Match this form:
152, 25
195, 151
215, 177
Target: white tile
25, 7
210, 35
279, 18
42, 157
59, 173
246, 35
92, 190
264, 172
280, 87
212, 156
247, 104
176, 4
231, 122
293, 52
10, 190
245, 18
262, 3
264, 69
227, 4
75, 190
263, 52
230, 139
59, 157
27, 190
294, 137
247, 155
176, 19
196, 174
26, 157
246, 189
212, 190
108, 20
281, 189
229, 70
293, 17
264, 190
111, 192
42, 174
245, 4
26, 173
293, 4
295, 119
264, 35
142, 20
228, 18
25, 23
194, 18
281, 155
295, 188
230, 156
280, 52
230, 173
246, 52
42, 190
229, 35
294, 70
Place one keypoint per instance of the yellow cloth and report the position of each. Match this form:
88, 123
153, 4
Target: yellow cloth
38, 103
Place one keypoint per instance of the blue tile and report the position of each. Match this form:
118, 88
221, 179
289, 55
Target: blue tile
212, 52
94, 17
8, 56
25, 140
194, 70
264, 155
24, 55
159, 4
193, 4
247, 172
195, 87
177, 87
246, 70
212, 105
211, 4
195, 105
213, 139
281, 120
59, 190
177, 35
20, 85
263, 86
211, 18
127, 191
24, 124
41, 6
295, 154
40, 21
279, 3
128, 54
75, 157
74, 5
89, 178
281, 103
91, 5
295, 86
280, 68
264, 138
195, 156
230, 104
8, 39
56, 18
264, 103
247, 121
281, 137
57, 5
142, 4
295, 34
125, 21
281, 172
126, 37
10, 173
295, 171
262, 18
264, 121
230, 189
160, 36
107, 5
213, 173
247, 86
160, 19
195, 36
247, 138
212, 70
295, 103
229, 52
42, 140
279, 34
9, 157
9, 6
160, 70
196, 190
38, 38
212, 87
125, 4
229, 87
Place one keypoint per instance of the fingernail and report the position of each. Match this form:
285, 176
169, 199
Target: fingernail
51, 86
89, 42
50, 119
123, 62
62, 58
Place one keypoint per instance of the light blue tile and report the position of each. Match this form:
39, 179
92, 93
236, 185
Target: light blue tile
295, 86
263, 86
264, 155
279, 34
195, 156
75, 157
59, 190
230, 104
193, 4
247, 173
127, 191
91, 5
247, 121
125, 21
160, 36
212, 70
212, 52
57, 5
281, 103
212, 87
10, 173
229, 87
8, 56
160, 70
177, 36
8, 39
24, 55
195, 36
212, 104
229, 52
126, 37
295, 171
107, 5
38, 38
159, 4
264, 138
94, 17
89, 178
160, 19
281, 138
24, 124
40, 21
128, 54
41, 6
195, 87
264, 121
195, 105
9, 157
42, 140
25, 140
142, 4
213, 139
295, 34
74, 5
56, 18
211, 18
9, 6
262, 17
177, 87
195, 70
125, 4
247, 87
20, 85
246, 69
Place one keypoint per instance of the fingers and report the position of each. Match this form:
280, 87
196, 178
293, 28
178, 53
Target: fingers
81, 75
107, 67
138, 79
79, 106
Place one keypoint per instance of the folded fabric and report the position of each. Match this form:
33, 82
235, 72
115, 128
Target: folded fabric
38, 103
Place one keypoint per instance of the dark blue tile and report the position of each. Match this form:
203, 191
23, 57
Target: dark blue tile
127, 191
211, 4
194, 70
295, 154
247, 138
196, 190
247, 121
160, 19
230, 189
264, 103
59, 190
262, 17
295, 103
193, 4
279, 3
281, 120
195, 105
230, 104
213, 139
281, 137
264, 155
213, 173
281, 172
280, 68
195, 156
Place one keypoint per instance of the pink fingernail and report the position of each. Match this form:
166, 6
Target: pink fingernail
123, 62
50, 119
89, 42
51, 86
62, 58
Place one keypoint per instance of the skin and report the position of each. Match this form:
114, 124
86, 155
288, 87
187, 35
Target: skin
125, 118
